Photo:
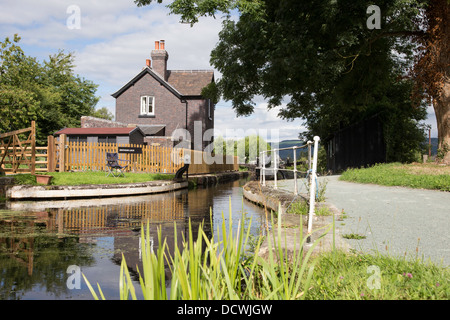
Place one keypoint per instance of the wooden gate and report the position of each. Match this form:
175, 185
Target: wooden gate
18, 150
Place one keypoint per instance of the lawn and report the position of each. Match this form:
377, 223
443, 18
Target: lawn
92, 177
415, 175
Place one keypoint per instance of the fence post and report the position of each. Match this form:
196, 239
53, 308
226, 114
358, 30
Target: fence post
62, 149
312, 188
33, 147
295, 170
50, 154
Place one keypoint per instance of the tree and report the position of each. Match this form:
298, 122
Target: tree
432, 71
47, 92
300, 51
103, 113
247, 149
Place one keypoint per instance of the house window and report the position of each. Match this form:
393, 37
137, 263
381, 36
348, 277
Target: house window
148, 105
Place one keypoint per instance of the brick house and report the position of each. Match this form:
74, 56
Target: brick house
160, 101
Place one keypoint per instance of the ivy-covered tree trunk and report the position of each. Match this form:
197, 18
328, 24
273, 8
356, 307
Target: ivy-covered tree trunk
442, 109
442, 101
432, 72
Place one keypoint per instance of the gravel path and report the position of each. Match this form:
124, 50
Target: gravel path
394, 220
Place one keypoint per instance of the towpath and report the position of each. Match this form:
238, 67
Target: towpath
394, 220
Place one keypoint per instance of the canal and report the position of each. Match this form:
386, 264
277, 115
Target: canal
44, 246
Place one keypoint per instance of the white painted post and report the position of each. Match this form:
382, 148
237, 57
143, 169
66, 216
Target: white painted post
312, 187
264, 168
275, 167
295, 170
260, 167
309, 154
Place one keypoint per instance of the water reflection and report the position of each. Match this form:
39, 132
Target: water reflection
40, 240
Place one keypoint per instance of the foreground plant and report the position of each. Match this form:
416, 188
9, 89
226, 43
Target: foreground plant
205, 269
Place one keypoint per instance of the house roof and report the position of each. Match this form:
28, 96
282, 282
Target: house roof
190, 82
181, 83
98, 131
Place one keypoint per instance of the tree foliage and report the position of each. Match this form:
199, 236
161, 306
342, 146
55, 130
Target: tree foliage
46, 92
247, 148
321, 62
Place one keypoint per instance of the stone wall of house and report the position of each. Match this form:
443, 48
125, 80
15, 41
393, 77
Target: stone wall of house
169, 110
198, 112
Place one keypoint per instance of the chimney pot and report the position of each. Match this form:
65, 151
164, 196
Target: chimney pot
156, 45
148, 62
162, 42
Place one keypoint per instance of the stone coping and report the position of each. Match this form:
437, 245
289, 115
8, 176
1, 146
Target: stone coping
290, 239
22, 192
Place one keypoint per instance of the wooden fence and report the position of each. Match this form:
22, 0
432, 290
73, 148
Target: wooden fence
18, 150
82, 156
19, 154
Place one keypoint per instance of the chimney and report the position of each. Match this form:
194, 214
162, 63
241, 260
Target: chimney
160, 57
148, 62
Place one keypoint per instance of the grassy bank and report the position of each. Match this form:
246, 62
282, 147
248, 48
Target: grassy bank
342, 276
425, 176
92, 177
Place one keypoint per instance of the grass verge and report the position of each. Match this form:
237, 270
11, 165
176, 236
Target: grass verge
92, 177
425, 176
357, 276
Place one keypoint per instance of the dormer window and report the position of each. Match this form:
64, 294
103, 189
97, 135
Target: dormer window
147, 106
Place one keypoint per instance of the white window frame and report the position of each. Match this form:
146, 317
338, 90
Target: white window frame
144, 105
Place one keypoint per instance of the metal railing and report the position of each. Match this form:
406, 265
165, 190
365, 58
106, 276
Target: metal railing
311, 173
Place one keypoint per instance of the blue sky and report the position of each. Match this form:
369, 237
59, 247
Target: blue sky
112, 39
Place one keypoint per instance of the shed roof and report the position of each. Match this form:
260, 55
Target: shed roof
98, 131
151, 129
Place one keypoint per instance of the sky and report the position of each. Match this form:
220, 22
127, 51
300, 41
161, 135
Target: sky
111, 41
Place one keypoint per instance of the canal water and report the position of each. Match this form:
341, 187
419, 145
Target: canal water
45, 246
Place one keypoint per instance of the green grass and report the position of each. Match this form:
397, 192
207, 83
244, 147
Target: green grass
353, 236
91, 177
425, 176
301, 207
354, 276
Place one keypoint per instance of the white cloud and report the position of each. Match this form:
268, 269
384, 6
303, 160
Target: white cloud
113, 42
263, 122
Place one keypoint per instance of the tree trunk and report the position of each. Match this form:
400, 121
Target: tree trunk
442, 105
442, 110
437, 67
